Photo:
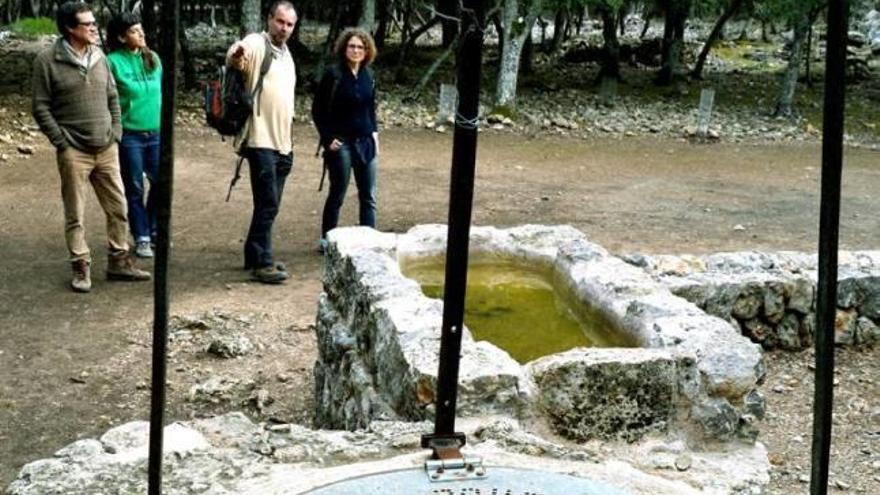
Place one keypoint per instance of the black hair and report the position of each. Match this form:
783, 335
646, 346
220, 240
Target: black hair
66, 15
117, 28
281, 3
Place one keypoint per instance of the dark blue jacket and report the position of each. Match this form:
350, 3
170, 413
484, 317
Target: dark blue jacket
344, 107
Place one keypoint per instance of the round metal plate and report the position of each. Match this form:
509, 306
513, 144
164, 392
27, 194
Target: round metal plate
501, 481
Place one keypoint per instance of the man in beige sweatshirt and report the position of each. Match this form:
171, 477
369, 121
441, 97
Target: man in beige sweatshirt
76, 106
266, 141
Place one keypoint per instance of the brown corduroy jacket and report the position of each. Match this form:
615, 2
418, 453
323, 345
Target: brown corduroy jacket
75, 106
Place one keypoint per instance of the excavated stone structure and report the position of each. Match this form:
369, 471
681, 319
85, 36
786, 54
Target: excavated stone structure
691, 374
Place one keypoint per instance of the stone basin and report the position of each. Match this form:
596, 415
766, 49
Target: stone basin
690, 373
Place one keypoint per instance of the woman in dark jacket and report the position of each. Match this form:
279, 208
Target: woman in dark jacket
344, 111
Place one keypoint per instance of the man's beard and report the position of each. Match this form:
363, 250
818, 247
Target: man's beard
278, 39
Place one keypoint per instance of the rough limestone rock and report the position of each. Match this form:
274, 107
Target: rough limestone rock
607, 393
117, 463
868, 332
230, 455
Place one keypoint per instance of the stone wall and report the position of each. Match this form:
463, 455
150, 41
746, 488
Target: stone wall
771, 297
16, 64
379, 340
207, 47
378, 337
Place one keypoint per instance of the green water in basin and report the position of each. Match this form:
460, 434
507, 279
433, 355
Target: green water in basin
519, 309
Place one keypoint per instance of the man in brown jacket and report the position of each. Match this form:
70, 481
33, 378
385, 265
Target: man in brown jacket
76, 106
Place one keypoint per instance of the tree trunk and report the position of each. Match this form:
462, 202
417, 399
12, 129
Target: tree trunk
784, 105
516, 29
430, 72
368, 15
611, 49
189, 67
559, 24
148, 20
579, 21
527, 56
410, 42
327, 51
645, 27
673, 39
382, 26
499, 28
294, 43
808, 55
250, 17
449, 13
809, 51
13, 10
35, 8
732, 9
541, 22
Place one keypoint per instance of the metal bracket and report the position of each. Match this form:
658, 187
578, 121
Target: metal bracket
448, 463
465, 468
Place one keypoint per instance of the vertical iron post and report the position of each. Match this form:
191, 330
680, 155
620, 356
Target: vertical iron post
829, 226
164, 191
461, 193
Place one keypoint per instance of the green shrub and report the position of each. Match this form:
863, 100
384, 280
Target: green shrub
33, 27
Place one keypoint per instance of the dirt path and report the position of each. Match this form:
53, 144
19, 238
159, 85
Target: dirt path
72, 365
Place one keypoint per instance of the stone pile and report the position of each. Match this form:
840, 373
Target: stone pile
771, 297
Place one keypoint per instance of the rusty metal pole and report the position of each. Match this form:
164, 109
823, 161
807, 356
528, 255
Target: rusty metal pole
829, 226
461, 194
164, 190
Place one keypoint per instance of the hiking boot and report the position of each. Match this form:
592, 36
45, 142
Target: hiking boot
143, 249
82, 279
278, 264
269, 275
121, 267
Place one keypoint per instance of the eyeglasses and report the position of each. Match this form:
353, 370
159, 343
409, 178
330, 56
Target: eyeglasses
355, 47
88, 23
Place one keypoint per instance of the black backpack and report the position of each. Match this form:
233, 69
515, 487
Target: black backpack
228, 101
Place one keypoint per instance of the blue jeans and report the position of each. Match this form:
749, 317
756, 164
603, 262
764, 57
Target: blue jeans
340, 164
139, 156
268, 171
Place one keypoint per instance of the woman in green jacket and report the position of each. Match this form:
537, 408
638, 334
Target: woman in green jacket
138, 74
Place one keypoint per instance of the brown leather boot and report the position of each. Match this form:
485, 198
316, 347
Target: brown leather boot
121, 267
82, 279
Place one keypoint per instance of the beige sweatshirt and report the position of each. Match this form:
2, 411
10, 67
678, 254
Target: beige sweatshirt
270, 123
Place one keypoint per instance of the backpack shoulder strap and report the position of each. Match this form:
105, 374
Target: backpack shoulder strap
321, 108
266, 65
336, 72
264, 69
372, 77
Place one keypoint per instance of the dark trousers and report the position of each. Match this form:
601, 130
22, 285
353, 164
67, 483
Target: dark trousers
268, 171
339, 167
139, 156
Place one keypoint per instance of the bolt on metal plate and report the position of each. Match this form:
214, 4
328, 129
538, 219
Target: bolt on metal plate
464, 468
500, 481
